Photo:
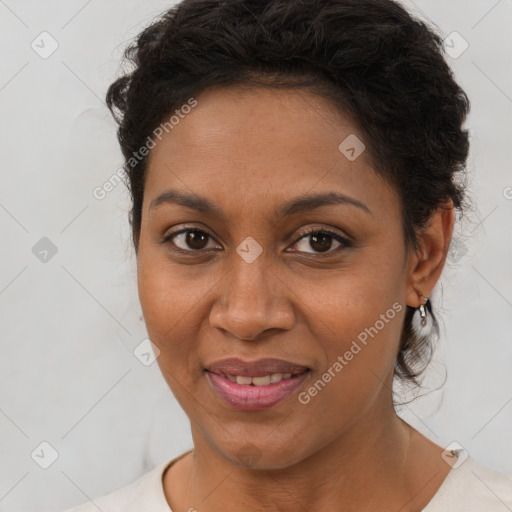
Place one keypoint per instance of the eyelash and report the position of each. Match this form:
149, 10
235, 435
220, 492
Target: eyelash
345, 242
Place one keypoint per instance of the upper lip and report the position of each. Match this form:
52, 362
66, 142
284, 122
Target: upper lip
257, 368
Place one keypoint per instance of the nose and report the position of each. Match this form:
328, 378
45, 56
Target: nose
252, 299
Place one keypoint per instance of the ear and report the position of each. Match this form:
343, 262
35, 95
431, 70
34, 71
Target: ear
426, 262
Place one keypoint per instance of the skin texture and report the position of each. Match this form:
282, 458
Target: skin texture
248, 152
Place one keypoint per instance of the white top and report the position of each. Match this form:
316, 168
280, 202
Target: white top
467, 488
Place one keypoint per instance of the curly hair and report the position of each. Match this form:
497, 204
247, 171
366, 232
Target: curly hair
370, 58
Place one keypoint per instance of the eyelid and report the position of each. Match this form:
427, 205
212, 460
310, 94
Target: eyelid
320, 229
167, 238
343, 240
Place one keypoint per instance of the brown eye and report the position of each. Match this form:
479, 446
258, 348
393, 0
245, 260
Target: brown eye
189, 239
321, 241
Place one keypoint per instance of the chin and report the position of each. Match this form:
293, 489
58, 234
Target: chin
261, 454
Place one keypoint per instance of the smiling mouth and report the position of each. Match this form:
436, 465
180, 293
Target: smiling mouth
266, 367
256, 392
263, 380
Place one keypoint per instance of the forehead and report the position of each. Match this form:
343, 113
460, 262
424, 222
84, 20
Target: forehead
236, 120
261, 145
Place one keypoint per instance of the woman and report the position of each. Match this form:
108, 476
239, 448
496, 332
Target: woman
294, 169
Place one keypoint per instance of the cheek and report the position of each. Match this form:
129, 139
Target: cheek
356, 318
164, 296
168, 312
349, 300
362, 330
174, 305
165, 301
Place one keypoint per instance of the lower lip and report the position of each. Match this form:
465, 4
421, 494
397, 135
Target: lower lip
253, 398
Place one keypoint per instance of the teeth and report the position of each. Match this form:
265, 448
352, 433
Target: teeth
243, 380
264, 380
276, 377
261, 381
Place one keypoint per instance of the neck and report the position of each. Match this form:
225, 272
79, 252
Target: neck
336, 477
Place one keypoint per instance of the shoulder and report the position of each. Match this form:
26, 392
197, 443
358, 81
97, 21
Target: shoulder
473, 487
145, 493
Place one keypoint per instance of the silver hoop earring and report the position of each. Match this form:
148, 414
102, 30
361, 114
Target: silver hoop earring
421, 320
423, 315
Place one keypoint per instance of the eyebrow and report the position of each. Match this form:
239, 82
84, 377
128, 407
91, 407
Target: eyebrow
297, 205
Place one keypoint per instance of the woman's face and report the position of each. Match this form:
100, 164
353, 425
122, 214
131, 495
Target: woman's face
252, 280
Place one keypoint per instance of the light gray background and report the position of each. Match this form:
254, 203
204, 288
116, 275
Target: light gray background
69, 326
